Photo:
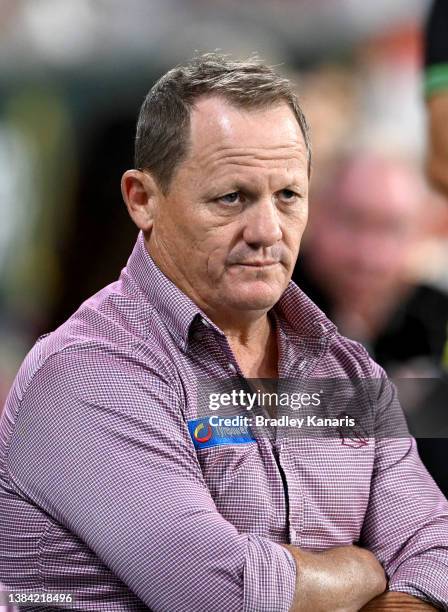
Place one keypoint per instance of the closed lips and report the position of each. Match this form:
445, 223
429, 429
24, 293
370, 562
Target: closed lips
257, 264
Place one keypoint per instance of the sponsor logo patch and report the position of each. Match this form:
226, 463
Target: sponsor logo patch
212, 431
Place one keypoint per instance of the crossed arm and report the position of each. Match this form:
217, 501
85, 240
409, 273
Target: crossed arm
346, 579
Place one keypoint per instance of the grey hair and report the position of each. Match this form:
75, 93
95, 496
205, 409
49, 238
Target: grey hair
163, 126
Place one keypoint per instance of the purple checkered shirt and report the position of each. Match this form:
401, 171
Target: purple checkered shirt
103, 493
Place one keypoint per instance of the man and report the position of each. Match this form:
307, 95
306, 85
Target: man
108, 487
366, 227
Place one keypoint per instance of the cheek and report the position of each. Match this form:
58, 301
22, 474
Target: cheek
178, 242
216, 254
180, 230
293, 230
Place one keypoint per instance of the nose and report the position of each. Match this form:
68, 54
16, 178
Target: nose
262, 224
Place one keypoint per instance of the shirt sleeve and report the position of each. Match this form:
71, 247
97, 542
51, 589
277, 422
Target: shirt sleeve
406, 523
101, 445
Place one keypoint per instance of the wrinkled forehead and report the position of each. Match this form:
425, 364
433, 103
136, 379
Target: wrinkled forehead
220, 129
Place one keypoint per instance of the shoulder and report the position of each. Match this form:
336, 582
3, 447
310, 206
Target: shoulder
100, 352
348, 358
339, 357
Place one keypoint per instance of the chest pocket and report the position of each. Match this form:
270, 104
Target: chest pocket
331, 480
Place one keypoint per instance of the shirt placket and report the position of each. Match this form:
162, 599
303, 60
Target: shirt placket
296, 360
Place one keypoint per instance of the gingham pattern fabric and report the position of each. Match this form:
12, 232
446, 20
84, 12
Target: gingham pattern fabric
103, 494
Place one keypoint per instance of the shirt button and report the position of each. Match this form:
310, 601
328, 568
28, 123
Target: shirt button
204, 322
293, 535
302, 364
232, 368
321, 327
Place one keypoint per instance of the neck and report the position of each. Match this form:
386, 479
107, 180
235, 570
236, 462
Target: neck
245, 328
254, 347
249, 333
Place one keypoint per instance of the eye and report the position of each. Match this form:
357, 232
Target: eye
230, 198
287, 195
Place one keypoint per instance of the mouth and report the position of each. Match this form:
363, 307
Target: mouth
258, 264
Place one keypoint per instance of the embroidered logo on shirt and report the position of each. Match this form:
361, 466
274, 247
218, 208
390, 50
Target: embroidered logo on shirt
354, 437
213, 431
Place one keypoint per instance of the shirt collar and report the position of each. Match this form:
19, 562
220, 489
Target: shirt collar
305, 319
173, 305
303, 316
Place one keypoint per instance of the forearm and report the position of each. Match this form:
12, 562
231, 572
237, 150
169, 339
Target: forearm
341, 579
393, 601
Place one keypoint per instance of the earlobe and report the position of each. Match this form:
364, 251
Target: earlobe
140, 193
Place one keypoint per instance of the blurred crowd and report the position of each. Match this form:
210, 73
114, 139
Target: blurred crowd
375, 253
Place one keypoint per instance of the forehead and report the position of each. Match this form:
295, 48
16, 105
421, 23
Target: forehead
221, 133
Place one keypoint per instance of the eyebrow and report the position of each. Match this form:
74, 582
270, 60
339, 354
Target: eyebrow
234, 185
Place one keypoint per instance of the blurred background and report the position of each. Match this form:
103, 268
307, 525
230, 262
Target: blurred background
73, 74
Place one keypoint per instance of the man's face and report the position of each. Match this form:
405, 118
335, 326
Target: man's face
360, 244
228, 232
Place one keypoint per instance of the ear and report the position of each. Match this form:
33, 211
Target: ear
140, 194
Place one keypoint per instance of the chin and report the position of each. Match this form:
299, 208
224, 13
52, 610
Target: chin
253, 298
